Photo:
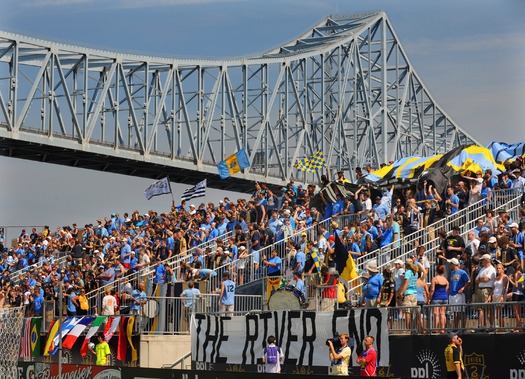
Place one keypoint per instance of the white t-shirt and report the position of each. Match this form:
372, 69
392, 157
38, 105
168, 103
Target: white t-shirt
273, 367
109, 305
489, 271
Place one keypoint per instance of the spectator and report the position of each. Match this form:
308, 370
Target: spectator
485, 285
227, 295
439, 288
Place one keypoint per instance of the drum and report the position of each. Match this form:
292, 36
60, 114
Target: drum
286, 298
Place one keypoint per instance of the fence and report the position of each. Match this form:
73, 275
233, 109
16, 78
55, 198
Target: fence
147, 273
509, 199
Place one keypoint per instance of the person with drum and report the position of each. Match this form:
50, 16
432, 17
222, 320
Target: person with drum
273, 265
299, 284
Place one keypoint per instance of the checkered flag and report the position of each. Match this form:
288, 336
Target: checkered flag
315, 163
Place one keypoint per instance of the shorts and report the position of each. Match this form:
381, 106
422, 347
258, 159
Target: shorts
518, 297
458, 298
482, 295
439, 302
410, 301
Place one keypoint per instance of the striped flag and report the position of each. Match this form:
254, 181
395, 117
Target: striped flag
73, 335
67, 325
111, 327
129, 331
25, 341
95, 326
50, 337
122, 338
198, 190
36, 326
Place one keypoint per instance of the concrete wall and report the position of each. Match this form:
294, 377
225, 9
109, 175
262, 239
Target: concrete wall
157, 351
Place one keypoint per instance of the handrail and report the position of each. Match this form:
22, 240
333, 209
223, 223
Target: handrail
148, 271
508, 199
179, 361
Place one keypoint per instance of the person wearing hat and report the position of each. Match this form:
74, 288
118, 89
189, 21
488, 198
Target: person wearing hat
454, 357
373, 287
518, 181
458, 286
485, 285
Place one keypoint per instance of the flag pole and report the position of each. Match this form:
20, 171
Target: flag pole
172, 198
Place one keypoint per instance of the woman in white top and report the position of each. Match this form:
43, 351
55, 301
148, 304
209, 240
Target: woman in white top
499, 293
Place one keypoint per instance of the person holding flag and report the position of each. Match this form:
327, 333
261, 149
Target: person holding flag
102, 351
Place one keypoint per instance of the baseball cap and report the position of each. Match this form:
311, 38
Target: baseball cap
454, 261
399, 261
492, 240
486, 256
513, 225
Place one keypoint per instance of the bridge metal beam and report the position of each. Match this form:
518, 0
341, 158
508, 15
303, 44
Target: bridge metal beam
345, 87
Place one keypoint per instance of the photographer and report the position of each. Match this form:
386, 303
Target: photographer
340, 356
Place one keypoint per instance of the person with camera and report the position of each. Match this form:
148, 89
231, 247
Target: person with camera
340, 355
454, 357
368, 358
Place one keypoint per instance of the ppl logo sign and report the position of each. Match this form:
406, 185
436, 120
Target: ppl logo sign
520, 372
428, 368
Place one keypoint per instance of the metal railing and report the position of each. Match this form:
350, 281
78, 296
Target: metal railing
508, 199
148, 272
428, 319
170, 315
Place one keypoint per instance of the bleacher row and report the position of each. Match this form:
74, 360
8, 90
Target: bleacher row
508, 199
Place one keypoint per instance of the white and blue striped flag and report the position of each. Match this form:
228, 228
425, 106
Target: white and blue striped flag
198, 190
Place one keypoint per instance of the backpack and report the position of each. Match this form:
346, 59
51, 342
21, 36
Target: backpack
272, 354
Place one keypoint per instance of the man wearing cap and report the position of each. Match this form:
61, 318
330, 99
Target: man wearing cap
454, 357
373, 287
518, 181
458, 285
485, 284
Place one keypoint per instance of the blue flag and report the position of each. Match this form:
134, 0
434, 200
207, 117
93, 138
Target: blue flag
233, 164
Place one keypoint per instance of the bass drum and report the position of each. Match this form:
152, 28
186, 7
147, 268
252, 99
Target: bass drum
286, 298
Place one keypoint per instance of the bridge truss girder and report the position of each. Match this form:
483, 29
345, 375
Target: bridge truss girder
346, 87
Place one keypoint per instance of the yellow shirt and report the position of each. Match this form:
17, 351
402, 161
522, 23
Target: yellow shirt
452, 356
102, 350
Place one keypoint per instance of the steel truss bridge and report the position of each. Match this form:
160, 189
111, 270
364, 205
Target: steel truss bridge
345, 87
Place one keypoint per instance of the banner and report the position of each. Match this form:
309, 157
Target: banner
302, 335
233, 164
160, 187
198, 190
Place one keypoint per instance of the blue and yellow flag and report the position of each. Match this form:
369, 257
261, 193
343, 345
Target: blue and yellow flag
51, 336
317, 264
233, 164
315, 163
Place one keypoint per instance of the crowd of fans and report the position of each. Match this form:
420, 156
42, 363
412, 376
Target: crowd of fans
119, 245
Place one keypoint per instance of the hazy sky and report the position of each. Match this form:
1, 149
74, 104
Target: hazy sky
469, 53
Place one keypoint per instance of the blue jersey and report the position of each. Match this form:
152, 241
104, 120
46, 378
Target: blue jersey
229, 292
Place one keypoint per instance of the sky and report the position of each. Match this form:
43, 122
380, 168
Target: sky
469, 54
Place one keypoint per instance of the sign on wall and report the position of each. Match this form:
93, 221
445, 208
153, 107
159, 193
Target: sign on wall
302, 335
